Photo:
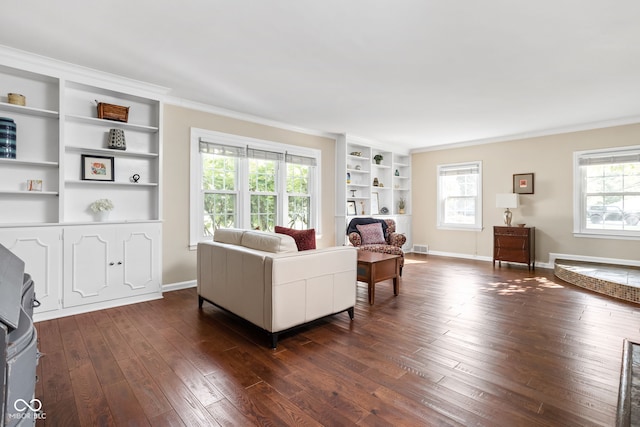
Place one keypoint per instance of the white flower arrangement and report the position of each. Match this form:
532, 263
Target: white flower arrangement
101, 205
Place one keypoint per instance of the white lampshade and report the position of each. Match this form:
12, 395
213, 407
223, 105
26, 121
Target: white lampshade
507, 200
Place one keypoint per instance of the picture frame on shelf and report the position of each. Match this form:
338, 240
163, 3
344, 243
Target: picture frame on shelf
523, 183
375, 204
97, 168
351, 207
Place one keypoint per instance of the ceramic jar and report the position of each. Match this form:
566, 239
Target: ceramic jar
116, 139
8, 132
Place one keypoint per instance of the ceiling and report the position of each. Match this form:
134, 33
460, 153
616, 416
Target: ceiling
416, 73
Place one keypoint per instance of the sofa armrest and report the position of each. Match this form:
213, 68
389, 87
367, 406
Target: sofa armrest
311, 284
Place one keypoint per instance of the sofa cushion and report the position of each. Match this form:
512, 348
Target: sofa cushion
269, 242
305, 239
231, 236
371, 234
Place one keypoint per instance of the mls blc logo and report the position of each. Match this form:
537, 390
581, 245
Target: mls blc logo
34, 405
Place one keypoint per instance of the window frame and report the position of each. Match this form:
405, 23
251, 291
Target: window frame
441, 224
196, 202
579, 200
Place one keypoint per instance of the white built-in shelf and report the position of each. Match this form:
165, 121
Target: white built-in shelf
114, 183
28, 163
30, 193
357, 171
20, 109
116, 153
111, 123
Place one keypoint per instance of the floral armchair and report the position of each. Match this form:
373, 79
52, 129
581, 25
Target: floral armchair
392, 241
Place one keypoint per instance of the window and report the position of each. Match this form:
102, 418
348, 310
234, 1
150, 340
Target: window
247, 183
607, 192
460, 196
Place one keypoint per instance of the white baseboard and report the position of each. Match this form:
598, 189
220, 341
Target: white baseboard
54, 314
600, 260
539, 264
180, 285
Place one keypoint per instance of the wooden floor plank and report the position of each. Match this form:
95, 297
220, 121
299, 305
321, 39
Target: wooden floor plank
463, 344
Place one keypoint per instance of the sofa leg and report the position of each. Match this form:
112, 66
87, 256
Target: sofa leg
200, 301
351, 312
273, 338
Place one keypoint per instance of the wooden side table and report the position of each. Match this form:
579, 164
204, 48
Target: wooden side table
514, 244
374, 267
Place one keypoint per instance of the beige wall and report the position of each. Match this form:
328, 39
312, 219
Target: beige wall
550, 209
179, 262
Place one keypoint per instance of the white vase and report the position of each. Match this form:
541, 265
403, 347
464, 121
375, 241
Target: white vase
102, 216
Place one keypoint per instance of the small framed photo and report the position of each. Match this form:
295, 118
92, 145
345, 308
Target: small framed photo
97, 168
351, 207
523, 183
375, 203
34, 185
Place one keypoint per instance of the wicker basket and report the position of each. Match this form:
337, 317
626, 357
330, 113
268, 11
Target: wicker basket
17, 99
113, 112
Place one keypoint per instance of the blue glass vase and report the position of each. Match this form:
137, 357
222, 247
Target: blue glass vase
7, 138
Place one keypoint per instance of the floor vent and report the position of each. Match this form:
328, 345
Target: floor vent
420, 249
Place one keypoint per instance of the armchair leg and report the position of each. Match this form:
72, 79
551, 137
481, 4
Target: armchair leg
351, 312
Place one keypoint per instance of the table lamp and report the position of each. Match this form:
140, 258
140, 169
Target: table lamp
507, 201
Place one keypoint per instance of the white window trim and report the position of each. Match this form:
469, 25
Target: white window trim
195, 195
579, 220
441, 225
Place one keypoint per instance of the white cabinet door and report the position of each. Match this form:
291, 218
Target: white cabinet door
41, 249
87, 254
140, 257
105, 262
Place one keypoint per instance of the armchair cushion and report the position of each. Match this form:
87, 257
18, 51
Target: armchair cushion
371, 234
351, 228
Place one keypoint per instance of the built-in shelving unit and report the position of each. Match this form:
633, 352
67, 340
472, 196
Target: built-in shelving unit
53, 230
371, 187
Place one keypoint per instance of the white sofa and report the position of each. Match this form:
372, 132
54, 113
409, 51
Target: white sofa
263, 278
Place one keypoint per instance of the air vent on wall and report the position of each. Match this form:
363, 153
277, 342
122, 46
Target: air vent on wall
420, 249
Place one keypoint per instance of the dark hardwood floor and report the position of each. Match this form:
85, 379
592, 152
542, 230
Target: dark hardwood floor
463, 344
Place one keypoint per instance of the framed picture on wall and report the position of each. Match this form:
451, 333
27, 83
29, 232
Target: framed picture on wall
523, 183
351, 207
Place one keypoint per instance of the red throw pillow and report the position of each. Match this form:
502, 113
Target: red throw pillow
305, 239
371, 234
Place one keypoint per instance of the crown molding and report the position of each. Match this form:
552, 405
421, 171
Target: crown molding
39, 64
535, 134
207, 108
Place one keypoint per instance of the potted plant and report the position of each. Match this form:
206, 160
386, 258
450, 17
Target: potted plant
101, 208
378, 158
401, 204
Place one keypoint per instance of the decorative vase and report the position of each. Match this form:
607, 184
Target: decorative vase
116, 139
8, 132
102, 216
